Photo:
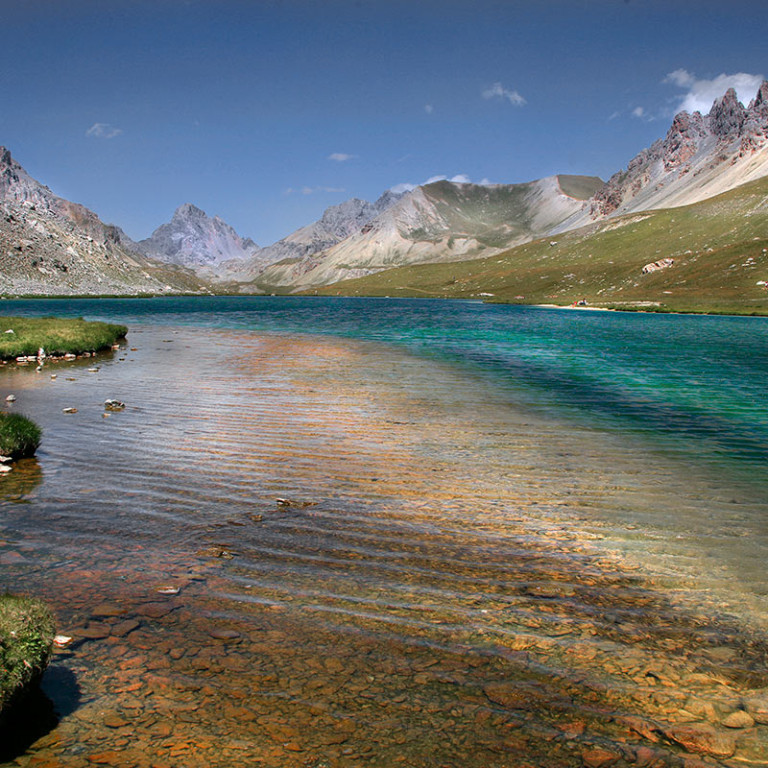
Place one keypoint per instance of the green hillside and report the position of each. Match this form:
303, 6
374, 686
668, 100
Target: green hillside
719, 248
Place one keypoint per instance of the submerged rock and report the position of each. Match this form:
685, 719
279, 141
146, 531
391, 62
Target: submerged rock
702, 738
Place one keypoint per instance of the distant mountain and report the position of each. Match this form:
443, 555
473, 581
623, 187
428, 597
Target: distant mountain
195, 240
700, 157
336, 224
443, 221
49, 245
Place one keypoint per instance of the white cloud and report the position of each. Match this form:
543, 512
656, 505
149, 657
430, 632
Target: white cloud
429, 109
638, 112
341, 157
498, 91
701, 93
459, 178
103, 131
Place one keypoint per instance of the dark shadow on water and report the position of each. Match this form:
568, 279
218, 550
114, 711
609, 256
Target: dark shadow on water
38, 712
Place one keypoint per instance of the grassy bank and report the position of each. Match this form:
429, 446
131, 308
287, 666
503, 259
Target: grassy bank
26, 634
55, 335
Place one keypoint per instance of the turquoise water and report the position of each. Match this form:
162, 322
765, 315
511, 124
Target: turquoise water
689, 385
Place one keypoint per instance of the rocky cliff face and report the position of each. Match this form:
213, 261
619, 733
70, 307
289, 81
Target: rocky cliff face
195, 240
701, 156
49, 245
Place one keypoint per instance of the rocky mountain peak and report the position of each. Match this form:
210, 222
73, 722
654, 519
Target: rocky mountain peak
760, 102
195, 240
727, 115
189, 211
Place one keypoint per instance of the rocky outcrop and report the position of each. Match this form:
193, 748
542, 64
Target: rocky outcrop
51, 246
655, 266
701, 156
195, 240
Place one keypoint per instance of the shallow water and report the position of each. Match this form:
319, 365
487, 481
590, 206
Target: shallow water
479, 559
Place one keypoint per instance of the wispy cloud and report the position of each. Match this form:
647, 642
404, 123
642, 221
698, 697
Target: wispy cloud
498, 91
429, 109
700, 93
103, 131
640, 113
341, 157
313, 190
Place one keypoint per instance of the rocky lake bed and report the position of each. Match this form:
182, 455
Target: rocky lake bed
307, 551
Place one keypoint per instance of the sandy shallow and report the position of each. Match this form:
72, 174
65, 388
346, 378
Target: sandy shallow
293, 551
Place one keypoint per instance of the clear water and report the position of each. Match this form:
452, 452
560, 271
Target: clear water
509, 529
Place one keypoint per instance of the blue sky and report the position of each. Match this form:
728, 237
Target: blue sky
266, 112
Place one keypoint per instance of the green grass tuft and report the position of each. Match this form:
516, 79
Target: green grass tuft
26, 634
19, 436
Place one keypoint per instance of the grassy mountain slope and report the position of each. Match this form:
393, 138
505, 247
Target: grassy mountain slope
719, 247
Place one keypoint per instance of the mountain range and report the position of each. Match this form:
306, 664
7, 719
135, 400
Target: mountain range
49, 245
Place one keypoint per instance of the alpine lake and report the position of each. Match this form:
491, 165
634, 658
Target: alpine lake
372, 532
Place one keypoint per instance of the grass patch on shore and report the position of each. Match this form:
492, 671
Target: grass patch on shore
19, 436
26, 633
57, 336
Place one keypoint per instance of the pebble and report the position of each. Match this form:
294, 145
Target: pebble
738, 719
10, 399
108, 609
69, 410
124, 628
597, 757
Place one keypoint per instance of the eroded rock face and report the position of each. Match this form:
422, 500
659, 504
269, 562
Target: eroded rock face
682, 139
693, 144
